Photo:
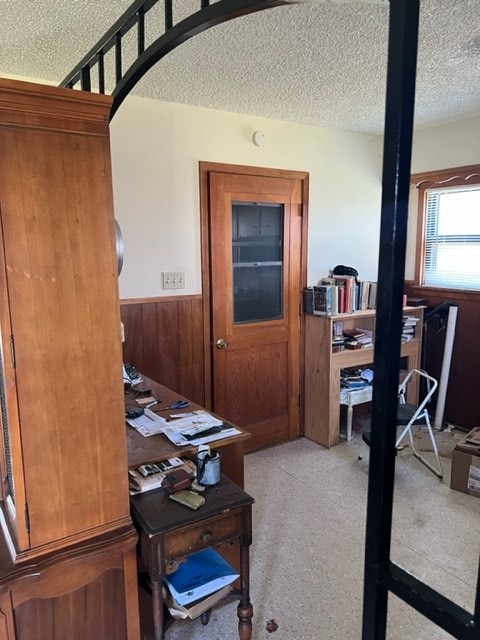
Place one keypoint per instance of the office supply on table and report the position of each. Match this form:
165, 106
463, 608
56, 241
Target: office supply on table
208, 466
188, 498
180, 404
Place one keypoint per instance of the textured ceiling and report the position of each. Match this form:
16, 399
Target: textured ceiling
320, 63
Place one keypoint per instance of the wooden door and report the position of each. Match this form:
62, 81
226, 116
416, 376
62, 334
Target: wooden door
257, 273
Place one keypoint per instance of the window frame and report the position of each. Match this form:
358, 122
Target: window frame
454, 177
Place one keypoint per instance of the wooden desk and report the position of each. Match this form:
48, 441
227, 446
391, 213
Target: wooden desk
169, 532
142, 450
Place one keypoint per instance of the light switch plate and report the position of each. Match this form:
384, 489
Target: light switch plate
174, 280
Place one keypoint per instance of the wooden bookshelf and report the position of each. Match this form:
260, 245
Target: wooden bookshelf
322, 368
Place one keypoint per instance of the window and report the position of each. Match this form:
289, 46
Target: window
448, 247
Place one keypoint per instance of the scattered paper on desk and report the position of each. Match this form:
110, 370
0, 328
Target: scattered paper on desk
194, 429
148, 424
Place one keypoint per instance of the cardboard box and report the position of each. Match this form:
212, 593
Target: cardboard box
466, 464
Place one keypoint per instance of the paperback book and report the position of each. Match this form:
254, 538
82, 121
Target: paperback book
194, 609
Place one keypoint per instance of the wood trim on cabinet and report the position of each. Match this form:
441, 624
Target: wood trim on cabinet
55, 109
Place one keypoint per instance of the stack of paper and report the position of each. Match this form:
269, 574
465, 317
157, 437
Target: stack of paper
200, 427
148, 424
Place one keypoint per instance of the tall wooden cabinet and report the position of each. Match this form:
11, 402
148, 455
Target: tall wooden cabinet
63, 451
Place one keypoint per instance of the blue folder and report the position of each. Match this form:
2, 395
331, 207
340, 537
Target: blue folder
202, 574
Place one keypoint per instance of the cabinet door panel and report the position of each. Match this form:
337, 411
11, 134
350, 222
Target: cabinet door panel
62, 288
93, 612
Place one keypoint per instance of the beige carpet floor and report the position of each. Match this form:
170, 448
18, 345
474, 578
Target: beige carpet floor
308, 544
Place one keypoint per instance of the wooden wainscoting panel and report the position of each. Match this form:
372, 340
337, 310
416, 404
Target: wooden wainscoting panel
164, 339
461, 406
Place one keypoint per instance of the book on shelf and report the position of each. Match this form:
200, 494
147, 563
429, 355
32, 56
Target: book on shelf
308, 300
409, 324
372, 296
323, 300
349, 295
365, 337
194, 609
200, 575
339, 294
354, 333
319, 300
364, 290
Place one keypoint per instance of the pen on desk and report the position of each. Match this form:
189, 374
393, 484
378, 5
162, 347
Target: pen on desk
152, 404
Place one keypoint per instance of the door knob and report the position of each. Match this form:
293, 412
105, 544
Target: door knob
221, 343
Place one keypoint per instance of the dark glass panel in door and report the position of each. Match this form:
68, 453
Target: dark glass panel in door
257, 257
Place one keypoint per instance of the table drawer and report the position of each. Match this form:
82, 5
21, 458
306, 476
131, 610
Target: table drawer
204, 534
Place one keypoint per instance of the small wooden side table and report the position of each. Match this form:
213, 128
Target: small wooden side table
169, 532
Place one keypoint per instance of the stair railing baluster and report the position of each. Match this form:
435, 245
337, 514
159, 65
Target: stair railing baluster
101, 72
118, 57
141, 32
148, 54
85, 81
168, 14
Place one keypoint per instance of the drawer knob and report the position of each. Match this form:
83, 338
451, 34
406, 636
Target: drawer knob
207, 536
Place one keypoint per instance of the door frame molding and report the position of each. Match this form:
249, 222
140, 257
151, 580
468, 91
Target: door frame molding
205, 168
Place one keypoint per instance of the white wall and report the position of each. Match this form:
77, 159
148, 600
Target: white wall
156, 148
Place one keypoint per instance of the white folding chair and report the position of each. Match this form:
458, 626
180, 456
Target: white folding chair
412, 415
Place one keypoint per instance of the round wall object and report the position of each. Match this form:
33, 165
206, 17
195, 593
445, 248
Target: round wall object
259, 139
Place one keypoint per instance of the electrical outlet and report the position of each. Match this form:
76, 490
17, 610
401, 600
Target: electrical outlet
174, 280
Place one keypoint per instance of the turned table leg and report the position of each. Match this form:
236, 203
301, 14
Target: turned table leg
245, 607
157, 605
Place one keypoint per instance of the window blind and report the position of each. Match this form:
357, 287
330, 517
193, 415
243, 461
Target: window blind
452, 238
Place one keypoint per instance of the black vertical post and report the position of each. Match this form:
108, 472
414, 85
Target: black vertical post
101, 72
85, 82
168, 14
118, 57
141, 32
400, 99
